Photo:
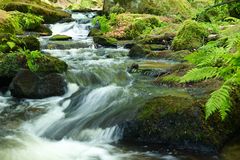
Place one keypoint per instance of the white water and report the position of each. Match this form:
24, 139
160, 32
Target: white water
82, 124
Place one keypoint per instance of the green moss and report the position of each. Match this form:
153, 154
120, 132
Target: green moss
11, 43
117, 9
60, 38
191, 36
27, 21
11, 63
50, 14
143, 26
87, 5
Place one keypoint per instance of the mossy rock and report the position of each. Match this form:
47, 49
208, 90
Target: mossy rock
11, 63
50, 14
192, 35
43, 30
138, 51
59, 37
179, 122
105, 41
11, 43
170, 55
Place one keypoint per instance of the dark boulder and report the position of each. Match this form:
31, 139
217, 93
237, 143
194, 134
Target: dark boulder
138, 51
105, 41
27, 84
31, 43
179, 122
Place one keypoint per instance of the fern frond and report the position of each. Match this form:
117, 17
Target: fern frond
198, 74
220, 100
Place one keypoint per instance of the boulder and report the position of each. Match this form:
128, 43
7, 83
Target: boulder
178, 121
11, 43
49, 13
11, 63
27, 84
59, 37
105, 41
191, 36
43, 30
31, 43
138, 51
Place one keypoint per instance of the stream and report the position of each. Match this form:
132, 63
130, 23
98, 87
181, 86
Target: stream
82, 124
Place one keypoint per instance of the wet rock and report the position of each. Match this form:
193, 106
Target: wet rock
178, 121
66, 20
59, 37
138, 51
43, 30
105, 41
84, 21
27, 84
213, 37
129, 45
65, 45
133, 68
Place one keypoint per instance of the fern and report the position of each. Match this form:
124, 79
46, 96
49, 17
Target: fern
198, 74
220, 100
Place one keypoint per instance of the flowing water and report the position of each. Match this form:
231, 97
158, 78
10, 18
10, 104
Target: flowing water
82, 124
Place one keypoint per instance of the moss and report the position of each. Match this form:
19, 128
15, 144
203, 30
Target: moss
11, 43
117, 9
50, 14
105, 41
11, 63
30, 43
27, 21
87, 5
142, 26
191, 36
167, 8
60, 38
179, 121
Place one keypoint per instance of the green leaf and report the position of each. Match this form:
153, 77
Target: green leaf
198, 74
220, 100
11, 44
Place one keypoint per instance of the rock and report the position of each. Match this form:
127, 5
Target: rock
133, 68
105, 41
192, 35
94, 32
27, 84
213, 37
49, 13
170, 55
156, 47
44, 30
178, 121
138, 51
11, 63
129, 45
59, 37
31, 43
11, 43
66, 20
65, 45
163, 39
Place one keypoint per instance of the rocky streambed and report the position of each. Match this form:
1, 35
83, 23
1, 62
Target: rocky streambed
114, 107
